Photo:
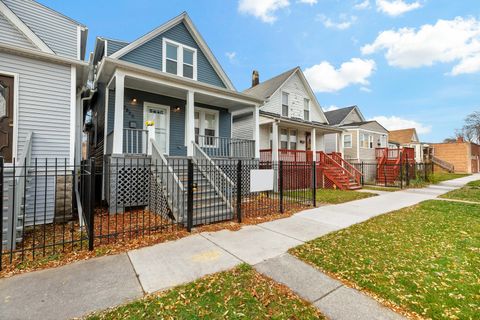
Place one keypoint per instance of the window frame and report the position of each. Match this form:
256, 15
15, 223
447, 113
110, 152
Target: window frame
307, 110
201, 121
180, 61
351, 141
285, 105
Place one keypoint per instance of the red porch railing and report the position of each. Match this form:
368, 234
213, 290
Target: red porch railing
287, 155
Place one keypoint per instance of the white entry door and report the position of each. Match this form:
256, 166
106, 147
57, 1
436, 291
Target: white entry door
160, 115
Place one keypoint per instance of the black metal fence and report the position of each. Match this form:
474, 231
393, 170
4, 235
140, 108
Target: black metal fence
400, 175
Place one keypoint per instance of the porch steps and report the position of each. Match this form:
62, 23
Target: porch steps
208, 206
343, 181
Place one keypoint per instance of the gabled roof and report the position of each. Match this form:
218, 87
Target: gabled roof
403, 136
183, 17
337, 117
264, 90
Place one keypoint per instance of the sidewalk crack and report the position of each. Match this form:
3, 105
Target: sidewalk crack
328, 293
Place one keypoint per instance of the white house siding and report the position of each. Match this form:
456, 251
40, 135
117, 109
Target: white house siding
242, 127
330, 142
265, 136
297, 93
353, 117
57, 31
10, 35
44, 99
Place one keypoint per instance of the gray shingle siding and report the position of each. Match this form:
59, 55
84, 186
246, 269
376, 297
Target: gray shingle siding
150, 54
114, 45
111, 111
9, 34
57, 31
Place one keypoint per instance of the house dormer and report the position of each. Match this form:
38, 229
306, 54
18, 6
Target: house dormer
176, 48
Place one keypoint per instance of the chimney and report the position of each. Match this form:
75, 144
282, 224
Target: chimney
255, 78
460, 140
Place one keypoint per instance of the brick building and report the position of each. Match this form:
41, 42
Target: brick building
464, 156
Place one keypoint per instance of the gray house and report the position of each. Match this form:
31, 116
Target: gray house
41, 76
360, 138
161, 98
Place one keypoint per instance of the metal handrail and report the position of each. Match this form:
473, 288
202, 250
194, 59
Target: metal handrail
174, 187
444, 164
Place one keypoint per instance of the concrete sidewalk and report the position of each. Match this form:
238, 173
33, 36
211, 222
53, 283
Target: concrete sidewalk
84, 287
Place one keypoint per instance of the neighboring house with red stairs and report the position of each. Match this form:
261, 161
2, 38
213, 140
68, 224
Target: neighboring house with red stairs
393, 163
359, 138
293, 127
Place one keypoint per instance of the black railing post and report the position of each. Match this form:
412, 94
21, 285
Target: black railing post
362, 167
280, 169
91, 206
314, 183
401, 176
190, 196
407, 173
1, 211
239, 191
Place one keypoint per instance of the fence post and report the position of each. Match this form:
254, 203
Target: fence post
314, 183
239, 191
190, 196
363, 174
91, 206
401, 175
407, 173
281, 185
425, 171
1, 211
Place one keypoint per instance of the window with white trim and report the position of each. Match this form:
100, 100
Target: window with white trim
347, 141
179, 59
206, 126
293, 139
364, 138
306, 109
283, 139
383, 141
284, 104
370, 142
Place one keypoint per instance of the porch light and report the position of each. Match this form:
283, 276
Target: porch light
176, 109
134, 100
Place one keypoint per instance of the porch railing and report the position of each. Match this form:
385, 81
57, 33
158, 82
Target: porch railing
135, 141
222, 147
354, 172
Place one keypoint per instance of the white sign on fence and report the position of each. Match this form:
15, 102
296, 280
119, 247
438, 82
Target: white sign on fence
261, 180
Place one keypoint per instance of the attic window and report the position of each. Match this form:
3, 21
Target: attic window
179, 59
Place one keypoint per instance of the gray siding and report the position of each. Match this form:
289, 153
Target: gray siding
9, 34
150, 54
44, 104
243, 127
57, 31
114, 45
111, 111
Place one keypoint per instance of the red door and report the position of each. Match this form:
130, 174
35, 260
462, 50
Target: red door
6, 118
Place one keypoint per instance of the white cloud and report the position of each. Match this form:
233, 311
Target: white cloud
344, 23
331, 108
231, 55
362, 5
396, 7
262, 9
397, 123
366, 89
323, 77
446, 41
310, 2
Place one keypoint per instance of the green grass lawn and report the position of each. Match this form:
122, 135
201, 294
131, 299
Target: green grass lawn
241, 293
444, 176
331, 196
423, 259
378, 188
471, 192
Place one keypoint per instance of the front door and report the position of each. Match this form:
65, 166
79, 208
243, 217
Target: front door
160, 117
308, 141
6, 117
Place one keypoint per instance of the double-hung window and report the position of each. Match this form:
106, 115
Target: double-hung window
370, 142
206, 126
306, 109
293, 139
179, 59
364, 140
283, 139
284, 104
347, 141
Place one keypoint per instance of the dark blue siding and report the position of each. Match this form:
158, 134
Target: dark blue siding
150, 54
111, 111
113, 46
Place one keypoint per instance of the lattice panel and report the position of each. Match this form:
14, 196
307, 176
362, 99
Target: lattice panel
158, 202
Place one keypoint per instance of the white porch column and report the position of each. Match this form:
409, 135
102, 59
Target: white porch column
314, 144
274, 141
190, 122
118, 119
256, 130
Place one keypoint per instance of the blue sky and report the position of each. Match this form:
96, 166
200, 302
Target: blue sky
404, 62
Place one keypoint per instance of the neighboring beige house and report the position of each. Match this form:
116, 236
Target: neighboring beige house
409, 138
463, 156
360, 137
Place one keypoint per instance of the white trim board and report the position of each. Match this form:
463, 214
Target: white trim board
16, 83
23, 28
195, 34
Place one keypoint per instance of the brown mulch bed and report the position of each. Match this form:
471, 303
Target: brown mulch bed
118, 233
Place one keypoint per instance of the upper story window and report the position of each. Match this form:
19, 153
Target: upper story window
306, 109
179, 59
284, 104
383, 141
